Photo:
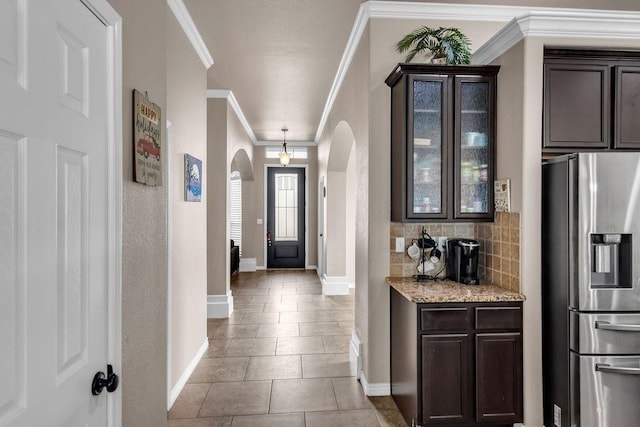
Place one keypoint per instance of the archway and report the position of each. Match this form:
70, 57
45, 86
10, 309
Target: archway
339, 213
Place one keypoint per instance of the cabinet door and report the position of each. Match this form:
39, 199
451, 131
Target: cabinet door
576, 106
427, 148
447, 379
627, 108
474, 145
499, 376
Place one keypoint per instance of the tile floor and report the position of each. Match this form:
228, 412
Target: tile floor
281, 359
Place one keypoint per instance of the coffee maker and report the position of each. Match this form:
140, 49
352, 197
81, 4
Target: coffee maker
462, 260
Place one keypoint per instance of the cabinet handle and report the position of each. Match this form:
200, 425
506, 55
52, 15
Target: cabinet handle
603, 367
616, 327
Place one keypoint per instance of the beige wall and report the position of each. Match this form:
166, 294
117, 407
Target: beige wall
581, 4
336, 223
218, 174
350, 220
144, 229
187, 112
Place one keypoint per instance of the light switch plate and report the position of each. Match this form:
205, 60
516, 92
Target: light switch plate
399, 244
502, 195
259, 221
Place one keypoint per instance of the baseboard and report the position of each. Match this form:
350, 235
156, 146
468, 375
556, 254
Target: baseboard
260, 267
177, 389
375, 389
312, 267
334, 285
247, 265
355, 355
219, 306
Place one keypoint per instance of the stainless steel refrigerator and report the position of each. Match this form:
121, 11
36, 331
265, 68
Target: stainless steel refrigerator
591, 290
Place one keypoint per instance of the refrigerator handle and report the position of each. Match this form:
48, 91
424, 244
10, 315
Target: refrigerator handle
617, 327
603, 367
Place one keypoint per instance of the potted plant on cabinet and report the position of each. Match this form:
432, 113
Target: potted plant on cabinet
446, 45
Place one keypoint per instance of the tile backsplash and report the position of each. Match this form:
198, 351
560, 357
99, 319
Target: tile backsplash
499, 260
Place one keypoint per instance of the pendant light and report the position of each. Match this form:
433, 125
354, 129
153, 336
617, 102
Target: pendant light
284, 155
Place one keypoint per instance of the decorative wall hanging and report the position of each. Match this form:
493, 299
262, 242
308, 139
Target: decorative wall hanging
192, 178
146, 137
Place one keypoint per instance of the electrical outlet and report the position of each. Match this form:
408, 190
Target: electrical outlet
399, 244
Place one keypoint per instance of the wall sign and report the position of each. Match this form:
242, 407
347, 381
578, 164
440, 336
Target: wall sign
192, 178
146, 137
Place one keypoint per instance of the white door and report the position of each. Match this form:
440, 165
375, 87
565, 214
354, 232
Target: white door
54, 240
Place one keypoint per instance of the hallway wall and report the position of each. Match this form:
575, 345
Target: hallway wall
187, 111
144, 224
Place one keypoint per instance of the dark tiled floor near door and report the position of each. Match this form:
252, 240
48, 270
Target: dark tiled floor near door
281, 360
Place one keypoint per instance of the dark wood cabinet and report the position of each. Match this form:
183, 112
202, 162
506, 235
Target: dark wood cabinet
591, 100
442, 142
447, 378
456, 363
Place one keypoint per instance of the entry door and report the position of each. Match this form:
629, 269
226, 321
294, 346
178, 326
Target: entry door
285, 217
54, 213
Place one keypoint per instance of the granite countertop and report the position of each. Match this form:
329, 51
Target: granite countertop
449, 291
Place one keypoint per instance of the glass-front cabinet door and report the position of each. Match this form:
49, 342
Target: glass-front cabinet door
473, 151
427, 148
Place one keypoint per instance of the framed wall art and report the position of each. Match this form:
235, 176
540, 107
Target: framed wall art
192, 178
146, 137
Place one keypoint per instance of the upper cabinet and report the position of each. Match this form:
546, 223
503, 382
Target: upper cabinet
591, 100
442, 142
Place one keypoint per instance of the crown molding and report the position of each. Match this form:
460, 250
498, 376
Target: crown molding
231, 99
183, 16
458, 12
560, 23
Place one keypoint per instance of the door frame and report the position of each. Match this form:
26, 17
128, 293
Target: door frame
306, 210
113, 23
322, 264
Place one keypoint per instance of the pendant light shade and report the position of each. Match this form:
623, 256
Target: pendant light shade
284, 155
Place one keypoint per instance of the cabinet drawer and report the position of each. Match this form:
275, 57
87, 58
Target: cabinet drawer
444, 319
488, 318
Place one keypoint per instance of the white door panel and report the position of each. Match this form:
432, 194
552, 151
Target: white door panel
53, 213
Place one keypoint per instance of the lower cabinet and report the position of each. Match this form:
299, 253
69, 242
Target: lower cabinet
456, 363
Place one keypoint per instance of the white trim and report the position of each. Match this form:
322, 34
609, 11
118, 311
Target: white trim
177, 389
334, 285
231, 99
247, 265
260, 267
375, 389
169, 267
289, 143
183, 16
575, 23
355, 355
113, 22
352, 285
219, 306
306, 210
312, 267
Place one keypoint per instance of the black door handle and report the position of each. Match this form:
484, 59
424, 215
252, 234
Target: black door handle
100, 381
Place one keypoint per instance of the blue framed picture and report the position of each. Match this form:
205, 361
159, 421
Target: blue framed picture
192, 178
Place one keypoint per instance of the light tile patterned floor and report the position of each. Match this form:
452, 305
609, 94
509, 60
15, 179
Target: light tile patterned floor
281, 360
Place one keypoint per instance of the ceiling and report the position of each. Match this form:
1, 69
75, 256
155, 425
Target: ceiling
279, 57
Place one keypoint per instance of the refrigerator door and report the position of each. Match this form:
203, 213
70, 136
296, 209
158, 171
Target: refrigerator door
607, 233
605, 333
606, 391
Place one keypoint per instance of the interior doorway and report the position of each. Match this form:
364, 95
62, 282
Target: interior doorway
286, 225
